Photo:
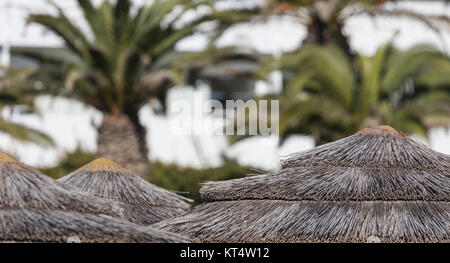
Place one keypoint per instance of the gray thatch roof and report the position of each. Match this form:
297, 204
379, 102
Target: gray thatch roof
30, 225
375, 183
143, 203
373, 147
36, 208
22, 186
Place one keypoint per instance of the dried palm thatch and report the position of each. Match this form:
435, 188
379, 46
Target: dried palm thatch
143, 203
29, 225
35, 208
22, 186
376, 183
373, 147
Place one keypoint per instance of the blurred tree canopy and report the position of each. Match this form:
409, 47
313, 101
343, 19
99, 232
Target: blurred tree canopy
324, 19
121, 62
330, 95
17, 89
127, 58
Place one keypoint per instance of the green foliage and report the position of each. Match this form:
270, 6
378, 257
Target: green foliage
330, 95
187, 181
70, 163
16, 90
325, 19
122, 62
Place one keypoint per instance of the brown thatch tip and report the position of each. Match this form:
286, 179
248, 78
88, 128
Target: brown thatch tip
4, 158
372, 147
102, 164
142, 202
383, 130
8, 161
22, 186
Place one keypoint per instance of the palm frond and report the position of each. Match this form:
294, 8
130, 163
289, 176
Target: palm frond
25, 134
408, 90
407, 63
121, 48
62, 26
327, 66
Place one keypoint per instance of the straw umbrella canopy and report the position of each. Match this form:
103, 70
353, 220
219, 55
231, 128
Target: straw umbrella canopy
376, 185
36, 208
142, 202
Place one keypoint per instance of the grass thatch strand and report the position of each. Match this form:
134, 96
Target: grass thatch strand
313, 221
373, 147
374, 185
374, 164
25, 225
143, 203
24, 187
334, 184
36, 208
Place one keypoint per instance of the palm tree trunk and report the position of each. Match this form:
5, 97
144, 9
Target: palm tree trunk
322, 32
122, 139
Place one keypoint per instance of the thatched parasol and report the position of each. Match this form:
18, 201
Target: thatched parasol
35, 208
143, 203
374, 185
36, 225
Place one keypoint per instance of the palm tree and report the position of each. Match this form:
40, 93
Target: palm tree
120, 64
16, 90
325, 19
331, 96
